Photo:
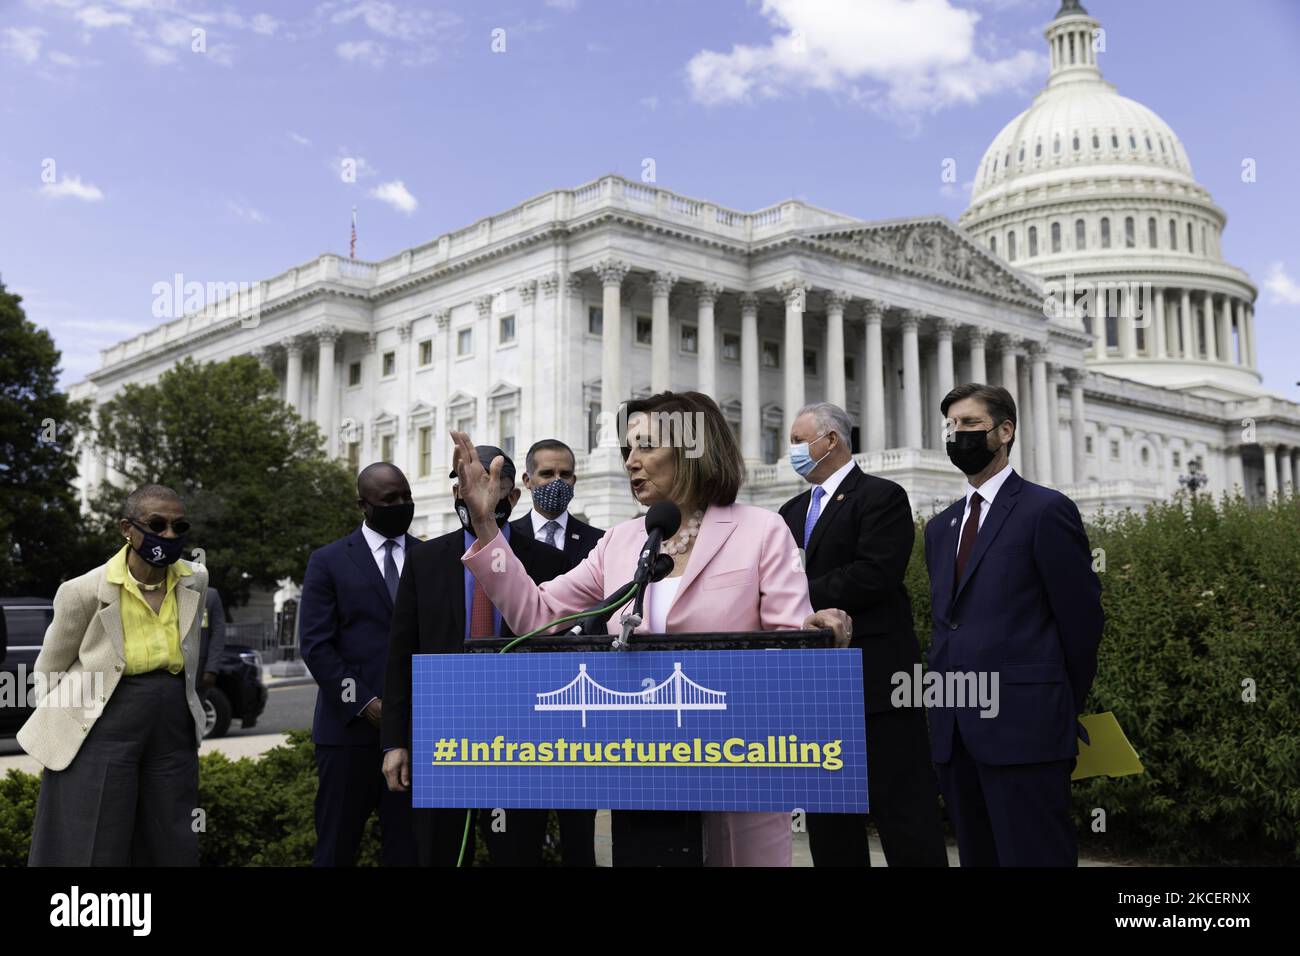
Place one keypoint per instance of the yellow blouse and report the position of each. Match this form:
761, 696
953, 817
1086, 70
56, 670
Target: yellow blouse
152, 640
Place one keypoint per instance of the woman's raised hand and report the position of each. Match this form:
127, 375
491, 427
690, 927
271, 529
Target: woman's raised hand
480, 488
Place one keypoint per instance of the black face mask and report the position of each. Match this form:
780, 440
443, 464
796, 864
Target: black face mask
502, 514
391, 521
969, 451
158, 551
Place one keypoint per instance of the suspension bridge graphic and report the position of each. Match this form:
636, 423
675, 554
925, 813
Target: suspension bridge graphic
676, 692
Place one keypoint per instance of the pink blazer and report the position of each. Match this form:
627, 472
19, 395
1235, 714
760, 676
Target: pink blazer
744, 574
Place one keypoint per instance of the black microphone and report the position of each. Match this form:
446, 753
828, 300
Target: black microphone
661, 521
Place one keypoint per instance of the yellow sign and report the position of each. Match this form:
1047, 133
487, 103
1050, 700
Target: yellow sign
1109, 754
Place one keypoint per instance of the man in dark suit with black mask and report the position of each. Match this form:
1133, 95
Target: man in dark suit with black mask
857, 533
439, 609
549, 476
344, 620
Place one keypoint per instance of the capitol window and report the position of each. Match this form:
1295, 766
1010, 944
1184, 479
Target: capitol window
1038, 149
506, 330
1114, 449
1178, 459
771, 355
993, 244
1146, 456
850, 369
426, 353
1011, 247
1152, 233
1114, 140
1021, 157
465, 342
1080, 234
424, 466
354, 374
1173, 235
809, 362
730, 347
1056, 237
1096, 141
386, 448
644, 330
1033, 241
1105, 232
1075, 143
1056, 144
1130, 239
1189, 237
388, 365
1132, 141
690, 339
1087, 444
595, 320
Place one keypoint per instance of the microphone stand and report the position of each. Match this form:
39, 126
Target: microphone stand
630, 621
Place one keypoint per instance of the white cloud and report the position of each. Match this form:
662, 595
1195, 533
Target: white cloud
23, 44
417, 35
72, 187
97, 17
1283, 290
568, 6
246, 213
650, 102
897, 56
396, 195
368, 52
299, 138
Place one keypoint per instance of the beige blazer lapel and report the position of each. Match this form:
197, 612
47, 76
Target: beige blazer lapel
188, 602
110, 614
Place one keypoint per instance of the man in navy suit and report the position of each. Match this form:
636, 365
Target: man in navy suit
1014, 599
550, 477
344, 618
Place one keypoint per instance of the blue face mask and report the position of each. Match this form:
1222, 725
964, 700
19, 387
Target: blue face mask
553, 497
801, 461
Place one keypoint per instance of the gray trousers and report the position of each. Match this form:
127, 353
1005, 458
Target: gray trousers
128, 797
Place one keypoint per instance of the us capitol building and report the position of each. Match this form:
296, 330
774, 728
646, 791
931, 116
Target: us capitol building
1086, 277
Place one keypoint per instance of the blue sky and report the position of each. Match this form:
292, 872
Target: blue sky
223, 162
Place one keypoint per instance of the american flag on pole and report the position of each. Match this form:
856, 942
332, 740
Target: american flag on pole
352, 246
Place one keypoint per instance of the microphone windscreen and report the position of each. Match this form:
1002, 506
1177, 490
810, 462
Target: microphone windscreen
665, 516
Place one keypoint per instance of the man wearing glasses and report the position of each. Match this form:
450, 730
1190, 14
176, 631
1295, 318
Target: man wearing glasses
117, 722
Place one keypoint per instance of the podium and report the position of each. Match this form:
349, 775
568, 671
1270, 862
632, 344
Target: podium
671, 726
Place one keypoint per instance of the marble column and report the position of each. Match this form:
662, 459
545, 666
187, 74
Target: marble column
1159, 348
873, 375
947, 379
1011, 382
706, 298
1225, 330
661, 285
1059, 474
1185, 319
1207, 318
1249, 310
978, 369
1026, 428
293, 373
326, 394
1042, 419
1128, 319
836, 392
1270, 470
611, 273
795, 293
751, 411
1236, 471
1078, 427
911, 380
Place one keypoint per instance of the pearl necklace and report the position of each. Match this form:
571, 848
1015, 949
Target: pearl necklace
679, 544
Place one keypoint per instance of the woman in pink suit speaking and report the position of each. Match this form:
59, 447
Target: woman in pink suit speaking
736, 567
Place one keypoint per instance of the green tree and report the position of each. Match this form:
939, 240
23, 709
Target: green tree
40, 524
257, 487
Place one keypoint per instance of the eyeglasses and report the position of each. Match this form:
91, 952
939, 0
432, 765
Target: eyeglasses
158, 525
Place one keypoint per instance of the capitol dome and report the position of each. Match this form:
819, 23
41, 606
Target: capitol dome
1094, 193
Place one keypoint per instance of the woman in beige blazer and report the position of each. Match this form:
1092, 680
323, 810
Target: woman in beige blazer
117, 721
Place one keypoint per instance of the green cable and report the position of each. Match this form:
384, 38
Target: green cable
622, 599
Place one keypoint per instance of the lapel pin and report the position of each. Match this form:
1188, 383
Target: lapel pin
839, 497
952, 523
574, 537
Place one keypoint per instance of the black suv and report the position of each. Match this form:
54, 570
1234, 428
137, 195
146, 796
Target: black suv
239, 691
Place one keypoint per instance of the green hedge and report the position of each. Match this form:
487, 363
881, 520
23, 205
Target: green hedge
259, 812
1200, 595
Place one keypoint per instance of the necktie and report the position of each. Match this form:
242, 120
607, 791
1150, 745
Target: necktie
968, 533
814, 510
480, 613
551, 532
390, 569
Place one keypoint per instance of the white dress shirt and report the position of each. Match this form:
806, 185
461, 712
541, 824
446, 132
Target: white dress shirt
829, 485
539, 522
988, 491
659, 600
377, 541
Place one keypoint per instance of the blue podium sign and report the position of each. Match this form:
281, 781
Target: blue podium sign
743, 730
